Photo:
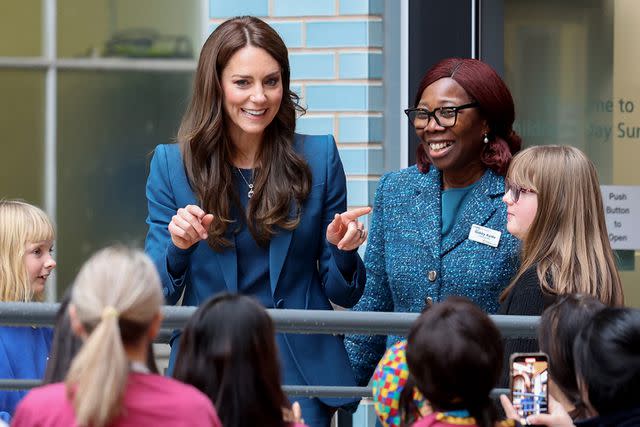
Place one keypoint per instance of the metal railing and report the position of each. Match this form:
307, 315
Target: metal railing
288, 321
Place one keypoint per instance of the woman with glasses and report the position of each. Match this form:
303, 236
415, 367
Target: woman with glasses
554, 206
438, 227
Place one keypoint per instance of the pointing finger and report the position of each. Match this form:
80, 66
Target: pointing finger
353, 214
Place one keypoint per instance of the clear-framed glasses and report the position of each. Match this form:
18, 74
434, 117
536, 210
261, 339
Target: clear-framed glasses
445, 116
515, 190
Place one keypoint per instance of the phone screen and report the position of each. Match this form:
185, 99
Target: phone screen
529, 383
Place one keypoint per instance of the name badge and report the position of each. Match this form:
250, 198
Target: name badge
485, 235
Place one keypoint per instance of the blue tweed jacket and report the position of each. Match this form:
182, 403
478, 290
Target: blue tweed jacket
407, 260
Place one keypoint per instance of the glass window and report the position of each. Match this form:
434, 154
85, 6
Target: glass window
125, 28
572, 67
22, 130
558, 63
21, 28
108, 125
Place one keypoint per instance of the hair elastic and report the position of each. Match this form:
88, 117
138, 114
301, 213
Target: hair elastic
109, 311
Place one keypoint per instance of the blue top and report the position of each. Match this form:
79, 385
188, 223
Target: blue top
408, 259
253, 260
24, 351
304, 270
453, 201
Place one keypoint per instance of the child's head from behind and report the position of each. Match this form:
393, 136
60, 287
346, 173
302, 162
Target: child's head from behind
607, 358
559, 327
454, 353
26, 243
116, 303
228, 352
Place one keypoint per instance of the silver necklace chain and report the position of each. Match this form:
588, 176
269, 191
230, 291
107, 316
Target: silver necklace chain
249, 184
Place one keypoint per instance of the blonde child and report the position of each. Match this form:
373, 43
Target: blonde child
115, 309
26, 246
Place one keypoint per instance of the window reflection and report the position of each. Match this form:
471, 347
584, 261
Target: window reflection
22, 135
109, 123
21, 28
128, 29
559, 63
569, 65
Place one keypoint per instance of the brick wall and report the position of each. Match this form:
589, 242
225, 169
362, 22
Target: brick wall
336, 55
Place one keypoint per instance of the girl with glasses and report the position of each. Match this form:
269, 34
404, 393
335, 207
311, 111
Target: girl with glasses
438, 226
554, 206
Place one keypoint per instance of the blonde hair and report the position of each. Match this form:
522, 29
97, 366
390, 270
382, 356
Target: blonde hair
20, 224
567, 239
116, 296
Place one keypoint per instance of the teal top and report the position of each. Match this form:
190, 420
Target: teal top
453, 201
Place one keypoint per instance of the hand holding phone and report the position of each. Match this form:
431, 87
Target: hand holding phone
529, 377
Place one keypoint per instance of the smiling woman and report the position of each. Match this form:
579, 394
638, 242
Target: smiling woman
243, 204
438, 227
252, 96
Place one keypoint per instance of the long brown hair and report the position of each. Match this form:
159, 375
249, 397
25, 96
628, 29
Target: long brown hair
567, 239
282, 178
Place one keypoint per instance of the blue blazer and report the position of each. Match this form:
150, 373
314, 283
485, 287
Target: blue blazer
305, 270
407, 260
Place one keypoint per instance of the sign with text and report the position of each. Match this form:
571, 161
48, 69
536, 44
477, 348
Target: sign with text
622, 212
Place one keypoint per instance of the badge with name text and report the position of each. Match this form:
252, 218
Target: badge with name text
485, 235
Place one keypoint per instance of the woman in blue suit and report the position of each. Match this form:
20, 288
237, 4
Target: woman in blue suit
242, 204
439, 227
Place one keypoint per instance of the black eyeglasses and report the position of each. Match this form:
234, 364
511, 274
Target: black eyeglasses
515, 190
445, 116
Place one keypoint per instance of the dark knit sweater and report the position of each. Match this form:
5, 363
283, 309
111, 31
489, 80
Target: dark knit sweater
526, 298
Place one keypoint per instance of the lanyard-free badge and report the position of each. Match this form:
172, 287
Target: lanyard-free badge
484, 235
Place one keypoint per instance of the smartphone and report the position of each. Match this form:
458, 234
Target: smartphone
529, 383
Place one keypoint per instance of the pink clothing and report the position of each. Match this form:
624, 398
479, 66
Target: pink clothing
150, 400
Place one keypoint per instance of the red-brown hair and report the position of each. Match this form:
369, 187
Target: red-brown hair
495, 104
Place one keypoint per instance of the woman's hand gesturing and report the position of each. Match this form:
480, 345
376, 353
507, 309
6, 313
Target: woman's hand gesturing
345, 231
189, 225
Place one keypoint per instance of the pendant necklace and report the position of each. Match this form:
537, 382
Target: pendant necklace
249, 184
